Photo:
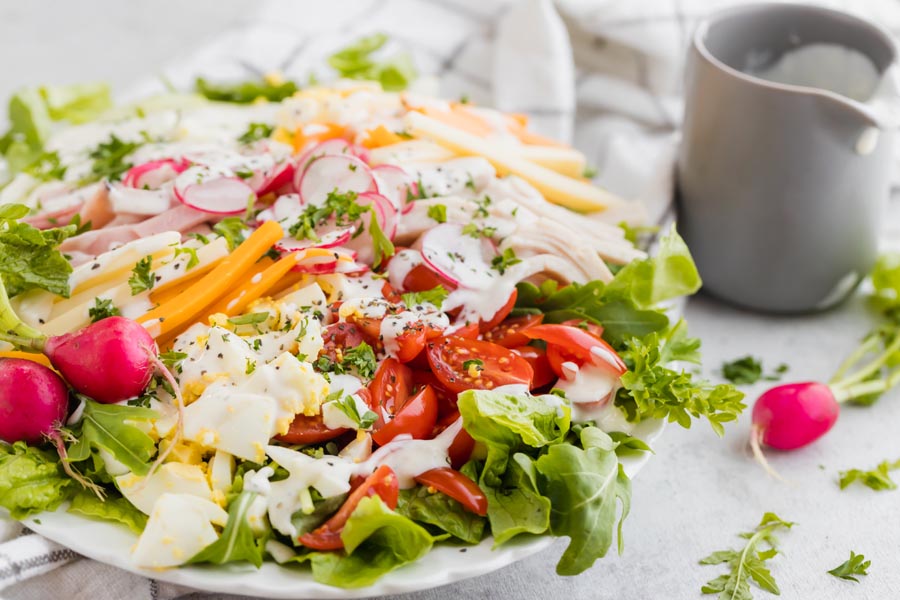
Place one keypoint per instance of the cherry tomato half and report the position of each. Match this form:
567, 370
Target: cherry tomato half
382, 483
446, 398
462, 364
391, 386
579, 344
421, 279
592, 328
509, 333
309, 430
544, 373
502, 313
457, 486
339, 336
416, 417
461, 448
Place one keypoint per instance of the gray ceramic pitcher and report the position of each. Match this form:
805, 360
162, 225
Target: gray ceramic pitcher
782, 188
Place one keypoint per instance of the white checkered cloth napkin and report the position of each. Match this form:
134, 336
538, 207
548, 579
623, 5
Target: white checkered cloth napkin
603, 74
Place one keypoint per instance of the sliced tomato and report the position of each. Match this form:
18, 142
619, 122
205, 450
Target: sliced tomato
416, 418
457, 486
469, 331
390, 294
544, 373
382, 483
309, 430
391, 386
446, 398
462, 364
502, 313
557, 355
461, 448
421, 279
410, 342
577, 344
592, 328
509, 333
339, 336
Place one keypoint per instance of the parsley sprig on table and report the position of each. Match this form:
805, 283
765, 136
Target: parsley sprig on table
853, 566
748, 563
748, 370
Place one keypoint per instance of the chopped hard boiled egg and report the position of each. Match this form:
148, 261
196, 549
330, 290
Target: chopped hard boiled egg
170, 478
180, 526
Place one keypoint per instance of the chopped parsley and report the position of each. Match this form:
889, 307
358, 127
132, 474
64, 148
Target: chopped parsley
435, 296
172, 359
482, 210
589, 172
251, 366
360, 359
193, 259
103, 308
232, 229
473, 230
256, 132
438, 212
142, 278
46, 167
347, 405
748, 370
343, 207
110, 159
474, 363
505, 260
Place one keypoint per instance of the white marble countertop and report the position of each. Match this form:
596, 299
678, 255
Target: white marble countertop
699, 491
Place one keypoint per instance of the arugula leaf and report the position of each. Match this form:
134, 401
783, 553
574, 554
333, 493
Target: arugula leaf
250, 318
441, 511
584, 486
113, 508
256, 132
107, 426
31, 480
653, 390
747, 563
324, 508
246, 92
855, 565
516, 505
381, 244
435, 296
506, 422
142, 278
377, 540
877, 479
30, 258
103, 309
347, 405
504, 260
237, 542
355, 62
748, 370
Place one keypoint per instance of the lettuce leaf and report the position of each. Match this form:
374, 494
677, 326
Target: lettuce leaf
31, 480
517, 505
245, 92
107, 426
584, 486
30, 258
237, 542
443, 512
113, 508
377, 541
505, 422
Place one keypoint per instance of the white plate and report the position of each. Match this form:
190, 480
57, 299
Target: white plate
111, 544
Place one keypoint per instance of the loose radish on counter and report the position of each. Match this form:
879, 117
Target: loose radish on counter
34, 401
794, 415
110, 360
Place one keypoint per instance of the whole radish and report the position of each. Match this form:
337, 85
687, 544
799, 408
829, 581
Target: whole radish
794, 415
34, 401
110, 360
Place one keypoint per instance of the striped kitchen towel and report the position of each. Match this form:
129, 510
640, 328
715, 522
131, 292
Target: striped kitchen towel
604, 74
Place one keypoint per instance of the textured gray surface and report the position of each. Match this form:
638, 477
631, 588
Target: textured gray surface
699, 491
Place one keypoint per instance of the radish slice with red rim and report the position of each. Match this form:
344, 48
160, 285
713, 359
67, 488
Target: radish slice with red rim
394, 183
281, 175
383, 211
329, 174
214, 192
460, 258
331, 239
152, 175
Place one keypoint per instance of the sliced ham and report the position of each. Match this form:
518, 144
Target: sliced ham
97, 241
50, 219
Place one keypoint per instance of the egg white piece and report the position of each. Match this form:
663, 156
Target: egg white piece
179, 527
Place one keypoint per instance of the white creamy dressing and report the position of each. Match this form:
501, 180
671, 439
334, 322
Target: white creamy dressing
393, 326
457, 177
401, 264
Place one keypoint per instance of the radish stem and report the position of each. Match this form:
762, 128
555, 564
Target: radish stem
871, 368
56, 437
870, 344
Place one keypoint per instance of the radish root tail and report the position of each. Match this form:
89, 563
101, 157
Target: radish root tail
58, 437
756, 438
179, 405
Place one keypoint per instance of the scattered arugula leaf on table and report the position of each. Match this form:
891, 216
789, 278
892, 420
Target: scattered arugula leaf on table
856, 565
877, 479
748, 563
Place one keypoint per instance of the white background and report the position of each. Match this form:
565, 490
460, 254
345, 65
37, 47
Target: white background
699, 491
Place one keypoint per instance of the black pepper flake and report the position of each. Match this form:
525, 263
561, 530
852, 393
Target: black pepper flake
95, 266
220, 355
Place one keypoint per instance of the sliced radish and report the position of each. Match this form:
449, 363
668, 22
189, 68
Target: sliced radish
394, 183
281, 175
152, 175
462, 259
333, 147
333, 174
136, 201
332, 239
214, 192
383, 211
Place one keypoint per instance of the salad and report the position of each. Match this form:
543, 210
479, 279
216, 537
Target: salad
329, 328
